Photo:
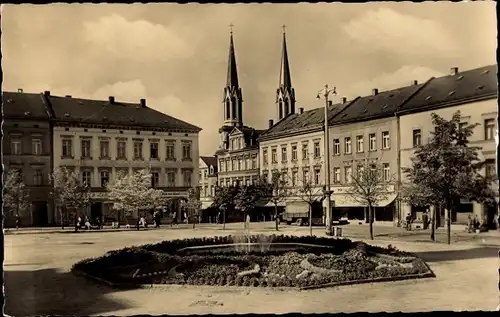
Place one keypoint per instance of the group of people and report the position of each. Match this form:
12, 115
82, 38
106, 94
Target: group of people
87, 225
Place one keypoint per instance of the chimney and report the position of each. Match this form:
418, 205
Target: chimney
19, 90
271, 123
374, 91
453, 71
46, 92
330, 103
111, 99
415, 82
301, 110
143, 103
344, 100
68, 96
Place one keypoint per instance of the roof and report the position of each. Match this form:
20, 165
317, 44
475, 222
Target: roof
471, 84
305, 121
209, 160
382, 104
70, 109
24, 105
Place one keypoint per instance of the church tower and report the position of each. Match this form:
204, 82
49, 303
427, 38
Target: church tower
285, 94
233, 101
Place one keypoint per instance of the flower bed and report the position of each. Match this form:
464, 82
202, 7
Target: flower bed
169, 262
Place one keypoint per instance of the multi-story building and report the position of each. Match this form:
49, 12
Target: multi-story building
474, 93
366, 133
100, 139
27, 143
238, 149
207, 180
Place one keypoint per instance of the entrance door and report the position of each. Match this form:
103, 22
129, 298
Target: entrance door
40, 214
95, 212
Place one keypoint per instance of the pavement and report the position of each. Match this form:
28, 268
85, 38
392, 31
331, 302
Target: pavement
38, 281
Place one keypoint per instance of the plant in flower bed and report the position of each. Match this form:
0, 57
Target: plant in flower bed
305, 262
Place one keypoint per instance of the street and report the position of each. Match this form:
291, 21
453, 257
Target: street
38, 280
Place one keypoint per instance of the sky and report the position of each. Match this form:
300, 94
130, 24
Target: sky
175, 55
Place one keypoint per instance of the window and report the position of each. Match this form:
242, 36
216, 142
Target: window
36, 147
284, 157
233, 161
37, 178
155, 179
205, 174
16, 147
348, 174
248, 163
228, 165
386, 142
359, 144
336, 175
294, 152
417, 137
373, 141
305, 175
294, 177
171, 178
360, 169
265, 175
67, 148
490, 169
137, 150
305, 151
317, 150
489, 129
87, 178
104, 149
387, 172
347, 145
186, 150
187, 177
264, 156
284, 173
254, 162
317, 176
86, 148
222, 165
121, 150
212, 191
336, 147
240, 164
228, 182
205, 191
153, 151
104, 178
274, 156
170, 151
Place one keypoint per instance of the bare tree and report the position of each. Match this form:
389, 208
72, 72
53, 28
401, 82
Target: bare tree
15, 194
369, 186
277, 191
192, 205
310, 194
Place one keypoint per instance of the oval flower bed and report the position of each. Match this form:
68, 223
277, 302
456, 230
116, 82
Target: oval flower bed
331, 262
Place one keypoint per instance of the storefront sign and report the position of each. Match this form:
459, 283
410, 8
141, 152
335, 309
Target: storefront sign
99, 195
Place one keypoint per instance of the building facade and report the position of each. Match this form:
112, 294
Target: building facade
27, 144
473, 93
207, 180
103, 139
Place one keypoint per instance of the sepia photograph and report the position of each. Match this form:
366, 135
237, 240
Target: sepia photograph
164, 158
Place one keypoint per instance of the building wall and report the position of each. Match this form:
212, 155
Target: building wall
207, 184
114, 165
476, 112
27, 131
246, 173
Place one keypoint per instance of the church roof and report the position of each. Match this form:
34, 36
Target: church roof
232, 71
285, 77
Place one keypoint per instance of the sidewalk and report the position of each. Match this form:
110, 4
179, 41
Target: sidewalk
46, 230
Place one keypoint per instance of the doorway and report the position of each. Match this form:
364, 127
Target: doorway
96, 212
40, 214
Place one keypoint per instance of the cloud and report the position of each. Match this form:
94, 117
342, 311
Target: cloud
396, 33
137, 40
404, 76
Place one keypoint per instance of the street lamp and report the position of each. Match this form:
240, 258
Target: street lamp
327, 192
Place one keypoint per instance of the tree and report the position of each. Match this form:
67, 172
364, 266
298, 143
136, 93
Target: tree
421, 196
449, 167
224, 200
134, 193
70, 192
368, 187
277, 191
310, 194
15, 194
246, 199
192, 205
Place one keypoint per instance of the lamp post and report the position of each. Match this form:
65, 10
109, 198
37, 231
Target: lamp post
327, 192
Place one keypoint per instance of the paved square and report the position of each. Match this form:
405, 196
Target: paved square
38, 279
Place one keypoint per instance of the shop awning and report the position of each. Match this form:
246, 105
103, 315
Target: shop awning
206, 204
345, 201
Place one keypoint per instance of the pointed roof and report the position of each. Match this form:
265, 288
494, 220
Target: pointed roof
232, 72
285, 78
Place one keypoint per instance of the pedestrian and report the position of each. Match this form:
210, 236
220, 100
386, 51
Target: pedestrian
18, 221
79, 223
218, 218
98, 222
248, 222
424, 220
469, 224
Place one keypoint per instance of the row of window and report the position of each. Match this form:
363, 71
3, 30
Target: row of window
37, 180
16, 146
104, 177
237, 143
284, 152
247, 181
360, 144
121, 149
208, 191
238, 164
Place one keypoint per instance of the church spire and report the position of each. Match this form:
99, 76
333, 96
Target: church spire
285, 95
233, 101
